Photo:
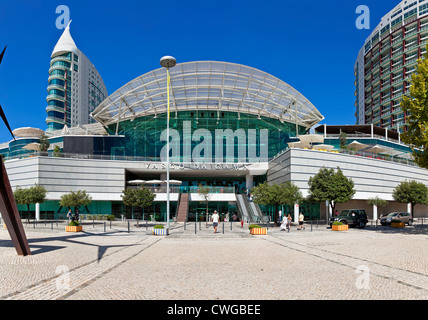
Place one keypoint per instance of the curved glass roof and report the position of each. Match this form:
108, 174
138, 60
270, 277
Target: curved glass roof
208, 85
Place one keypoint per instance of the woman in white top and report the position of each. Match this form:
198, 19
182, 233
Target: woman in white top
215, 217
301, 218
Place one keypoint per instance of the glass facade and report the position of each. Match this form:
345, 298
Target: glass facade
143, 135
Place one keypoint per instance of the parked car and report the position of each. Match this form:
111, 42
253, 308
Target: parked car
404, 217
351, 217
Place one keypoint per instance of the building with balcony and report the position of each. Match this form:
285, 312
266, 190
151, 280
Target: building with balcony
75, 87
386, 62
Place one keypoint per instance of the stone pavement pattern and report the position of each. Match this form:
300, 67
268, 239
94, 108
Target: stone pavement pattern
297, 265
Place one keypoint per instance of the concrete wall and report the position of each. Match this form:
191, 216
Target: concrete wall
372, 177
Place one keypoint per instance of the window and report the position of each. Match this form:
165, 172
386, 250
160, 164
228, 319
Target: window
76, 68
76, 58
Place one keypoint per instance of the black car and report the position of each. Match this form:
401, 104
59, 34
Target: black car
352, 217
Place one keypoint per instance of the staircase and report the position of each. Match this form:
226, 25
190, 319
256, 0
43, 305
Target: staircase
183, 207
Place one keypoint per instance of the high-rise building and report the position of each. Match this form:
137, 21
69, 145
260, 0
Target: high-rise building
75, 87
386, 62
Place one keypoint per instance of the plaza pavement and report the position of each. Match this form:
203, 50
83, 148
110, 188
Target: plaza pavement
104, 263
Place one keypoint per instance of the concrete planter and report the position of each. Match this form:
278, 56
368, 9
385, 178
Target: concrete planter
161, 232
74, 228
397, 225
258, 231
343, 227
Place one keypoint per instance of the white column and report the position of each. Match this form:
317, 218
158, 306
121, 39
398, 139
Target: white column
374, 212
37, 211
249, 180
296, 213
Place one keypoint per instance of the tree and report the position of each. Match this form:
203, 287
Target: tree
75, 199
44, 143
277, 195
205, 192
415, 108
57, 151
329, 185
32, 195
412, 192
343, 140
138, 198
376, 201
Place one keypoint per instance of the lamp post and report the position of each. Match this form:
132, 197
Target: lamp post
168, 62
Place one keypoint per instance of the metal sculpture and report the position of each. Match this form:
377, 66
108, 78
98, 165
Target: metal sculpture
8, 208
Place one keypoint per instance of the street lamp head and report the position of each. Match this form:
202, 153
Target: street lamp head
168, 62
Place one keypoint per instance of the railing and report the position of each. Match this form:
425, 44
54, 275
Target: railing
369, 155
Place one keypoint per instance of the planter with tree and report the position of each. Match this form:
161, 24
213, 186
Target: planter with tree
76, 200
339, 226
255, 229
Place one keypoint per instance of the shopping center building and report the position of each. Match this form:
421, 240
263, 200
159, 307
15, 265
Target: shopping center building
231, 128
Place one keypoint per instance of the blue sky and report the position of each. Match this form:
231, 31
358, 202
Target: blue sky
312, 45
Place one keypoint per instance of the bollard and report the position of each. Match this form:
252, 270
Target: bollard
195, 227
223, 227
52, 226
184, 224
128, 226
311, 225
104, 226
230, 225
146, 226
110, 224
199, 225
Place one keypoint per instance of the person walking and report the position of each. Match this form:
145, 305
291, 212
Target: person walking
301, 219
288, 221
69, 215
215, 217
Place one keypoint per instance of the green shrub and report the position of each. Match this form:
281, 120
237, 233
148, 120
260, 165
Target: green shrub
337, 223
73, 224
251, 226
158, 226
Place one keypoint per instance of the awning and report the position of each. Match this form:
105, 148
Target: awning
357, 145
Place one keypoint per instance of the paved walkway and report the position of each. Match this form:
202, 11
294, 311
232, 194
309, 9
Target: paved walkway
373, 263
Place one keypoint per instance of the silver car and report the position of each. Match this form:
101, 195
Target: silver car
404, 217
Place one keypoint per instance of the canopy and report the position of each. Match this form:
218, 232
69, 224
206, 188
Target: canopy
357, 145
208, 85
376, 149
28, 132
32, 146
312, 138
